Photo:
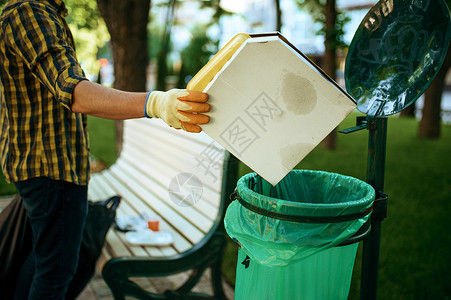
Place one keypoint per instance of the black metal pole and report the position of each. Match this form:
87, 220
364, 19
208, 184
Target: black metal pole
377, 142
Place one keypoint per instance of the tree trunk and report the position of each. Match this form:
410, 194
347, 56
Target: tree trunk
162, 67
126, 21
278, 16
330, 59
430, 120
409, 111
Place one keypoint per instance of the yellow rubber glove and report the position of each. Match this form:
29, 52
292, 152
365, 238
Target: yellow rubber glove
178, 108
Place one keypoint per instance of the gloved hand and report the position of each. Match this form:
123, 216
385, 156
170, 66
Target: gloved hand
178, 108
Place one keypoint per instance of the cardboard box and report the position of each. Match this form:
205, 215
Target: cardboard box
271, 106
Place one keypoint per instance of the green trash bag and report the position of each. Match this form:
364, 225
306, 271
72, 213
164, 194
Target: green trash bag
287, 234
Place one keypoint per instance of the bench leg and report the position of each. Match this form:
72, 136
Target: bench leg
217, 280
214, 258
116, 277
193, 279
114, 281
117, 271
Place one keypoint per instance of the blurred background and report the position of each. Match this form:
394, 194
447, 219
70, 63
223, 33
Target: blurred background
142, 45
181, 36
161, 44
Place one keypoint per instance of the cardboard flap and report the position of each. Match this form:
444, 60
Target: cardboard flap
271, 106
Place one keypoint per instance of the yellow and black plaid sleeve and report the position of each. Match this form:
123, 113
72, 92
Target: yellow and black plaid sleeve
35, 35
40, 135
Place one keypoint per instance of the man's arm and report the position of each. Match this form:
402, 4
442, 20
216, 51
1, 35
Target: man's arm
178, 108
104, 102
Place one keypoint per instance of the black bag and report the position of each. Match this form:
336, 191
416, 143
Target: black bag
16, 243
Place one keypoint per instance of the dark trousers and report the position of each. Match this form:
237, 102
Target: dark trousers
57, 211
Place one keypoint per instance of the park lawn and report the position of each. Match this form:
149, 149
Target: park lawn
102, 139
415, 254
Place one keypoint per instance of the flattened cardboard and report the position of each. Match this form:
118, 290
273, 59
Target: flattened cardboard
271, 106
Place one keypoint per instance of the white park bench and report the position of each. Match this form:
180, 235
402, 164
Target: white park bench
154, 162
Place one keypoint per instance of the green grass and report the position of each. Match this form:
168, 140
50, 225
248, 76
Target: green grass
102, 139
415, 253
6, 188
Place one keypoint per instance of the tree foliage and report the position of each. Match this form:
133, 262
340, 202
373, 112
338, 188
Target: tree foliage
316, 9
219, 12
199, 50
332, 21
217, 8
430, 122
83, 14
196, 54
89, 31
165, 49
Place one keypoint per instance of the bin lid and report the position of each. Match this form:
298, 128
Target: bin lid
395, 54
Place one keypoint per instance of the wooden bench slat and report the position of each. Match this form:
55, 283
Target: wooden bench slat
165, 140
144, 251
100, 190
161, 208
209, 209
131, 208
126, 209
154, 159
156, 170
169, 150
154, 138
158, 127
94, 190
117, 248
189, 213
180, 241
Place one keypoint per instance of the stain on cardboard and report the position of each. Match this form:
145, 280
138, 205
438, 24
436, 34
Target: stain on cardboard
298, 93
279, 117
290, 153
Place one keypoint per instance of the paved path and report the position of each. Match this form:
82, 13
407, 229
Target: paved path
98, 290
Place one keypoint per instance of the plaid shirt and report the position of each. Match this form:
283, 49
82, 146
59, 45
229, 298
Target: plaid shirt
40, 135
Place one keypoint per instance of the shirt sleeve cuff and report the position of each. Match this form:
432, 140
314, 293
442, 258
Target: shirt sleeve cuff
66, 82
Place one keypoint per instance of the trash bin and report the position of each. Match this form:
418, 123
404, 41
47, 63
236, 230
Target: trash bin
289, 234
